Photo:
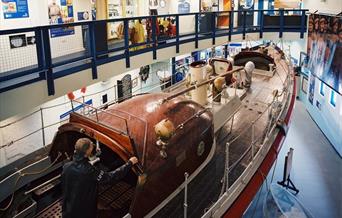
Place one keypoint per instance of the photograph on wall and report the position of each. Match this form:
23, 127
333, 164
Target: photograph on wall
153, 3
31, 40
17, 41
324, 49
84, 15
15, 9
124, 88
183, 6
311, 89
305, 85
61, 12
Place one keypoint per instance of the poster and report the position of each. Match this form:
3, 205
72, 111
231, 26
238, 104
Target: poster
324, 49
84, 15
183, 6
60, 12
311, 89
124, 88
246, 4
15, 9
17, 41
287, 3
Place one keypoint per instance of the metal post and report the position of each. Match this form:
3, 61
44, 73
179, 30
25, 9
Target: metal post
48, 62
227, 168
213, 28
43, 131
231, 16
261, 24
196, 30
177, 33
225, 51
39, 47
93, 49
302, 24
281, 25
186, 175
252, 144
244, 25
154, 37
115, 89
126, 37
173, 66
84, 106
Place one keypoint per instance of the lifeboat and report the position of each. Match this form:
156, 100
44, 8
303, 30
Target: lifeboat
125, 130
198, 156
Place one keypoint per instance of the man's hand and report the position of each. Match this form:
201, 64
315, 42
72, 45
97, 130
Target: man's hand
134, 160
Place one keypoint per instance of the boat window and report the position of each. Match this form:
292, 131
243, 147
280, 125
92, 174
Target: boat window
333, 98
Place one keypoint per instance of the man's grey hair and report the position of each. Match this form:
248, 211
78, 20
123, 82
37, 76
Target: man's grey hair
83, 144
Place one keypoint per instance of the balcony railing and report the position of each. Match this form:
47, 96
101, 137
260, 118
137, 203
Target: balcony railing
95, 43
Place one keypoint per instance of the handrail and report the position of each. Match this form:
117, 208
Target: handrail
93, 56
8, 31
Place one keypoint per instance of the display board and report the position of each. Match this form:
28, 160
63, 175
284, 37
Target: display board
183, 6
124, 88
60, 12
287, 3
15, 9
311, 89
324, 49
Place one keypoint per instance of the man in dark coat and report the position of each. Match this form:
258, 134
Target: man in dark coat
80, 181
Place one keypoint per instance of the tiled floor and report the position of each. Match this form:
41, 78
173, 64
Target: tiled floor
316, 169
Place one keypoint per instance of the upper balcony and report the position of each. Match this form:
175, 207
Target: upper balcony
50, 66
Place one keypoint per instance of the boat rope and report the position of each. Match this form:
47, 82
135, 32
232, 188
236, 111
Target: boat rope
21, 174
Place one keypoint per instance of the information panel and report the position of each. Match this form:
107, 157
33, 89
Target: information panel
61, 11
15, 9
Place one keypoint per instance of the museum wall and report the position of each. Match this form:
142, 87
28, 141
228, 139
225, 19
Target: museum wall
38, 15
326, 116
326, 6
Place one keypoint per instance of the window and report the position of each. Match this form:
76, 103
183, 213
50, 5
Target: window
321, 89
333, 98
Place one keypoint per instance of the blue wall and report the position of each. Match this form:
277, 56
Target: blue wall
327, 117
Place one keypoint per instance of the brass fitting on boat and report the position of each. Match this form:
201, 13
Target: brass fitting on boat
164, 131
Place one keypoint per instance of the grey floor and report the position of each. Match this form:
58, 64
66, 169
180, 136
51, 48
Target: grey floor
316, 170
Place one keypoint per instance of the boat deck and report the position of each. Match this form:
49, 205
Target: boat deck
208, 185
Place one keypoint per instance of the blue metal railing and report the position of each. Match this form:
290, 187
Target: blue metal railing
50, 68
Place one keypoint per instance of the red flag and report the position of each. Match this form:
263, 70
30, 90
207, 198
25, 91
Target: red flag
83, 89
71, 96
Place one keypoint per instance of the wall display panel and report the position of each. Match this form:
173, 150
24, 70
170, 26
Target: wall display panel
305, 85
17, 41
84, 15
324, 49
287, 3
124, 88
60, 12
312, 89
15, 9
183, 6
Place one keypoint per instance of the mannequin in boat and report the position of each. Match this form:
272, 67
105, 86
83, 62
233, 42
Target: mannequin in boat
80, 181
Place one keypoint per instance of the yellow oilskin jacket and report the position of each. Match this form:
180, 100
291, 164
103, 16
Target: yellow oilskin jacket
139, 34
